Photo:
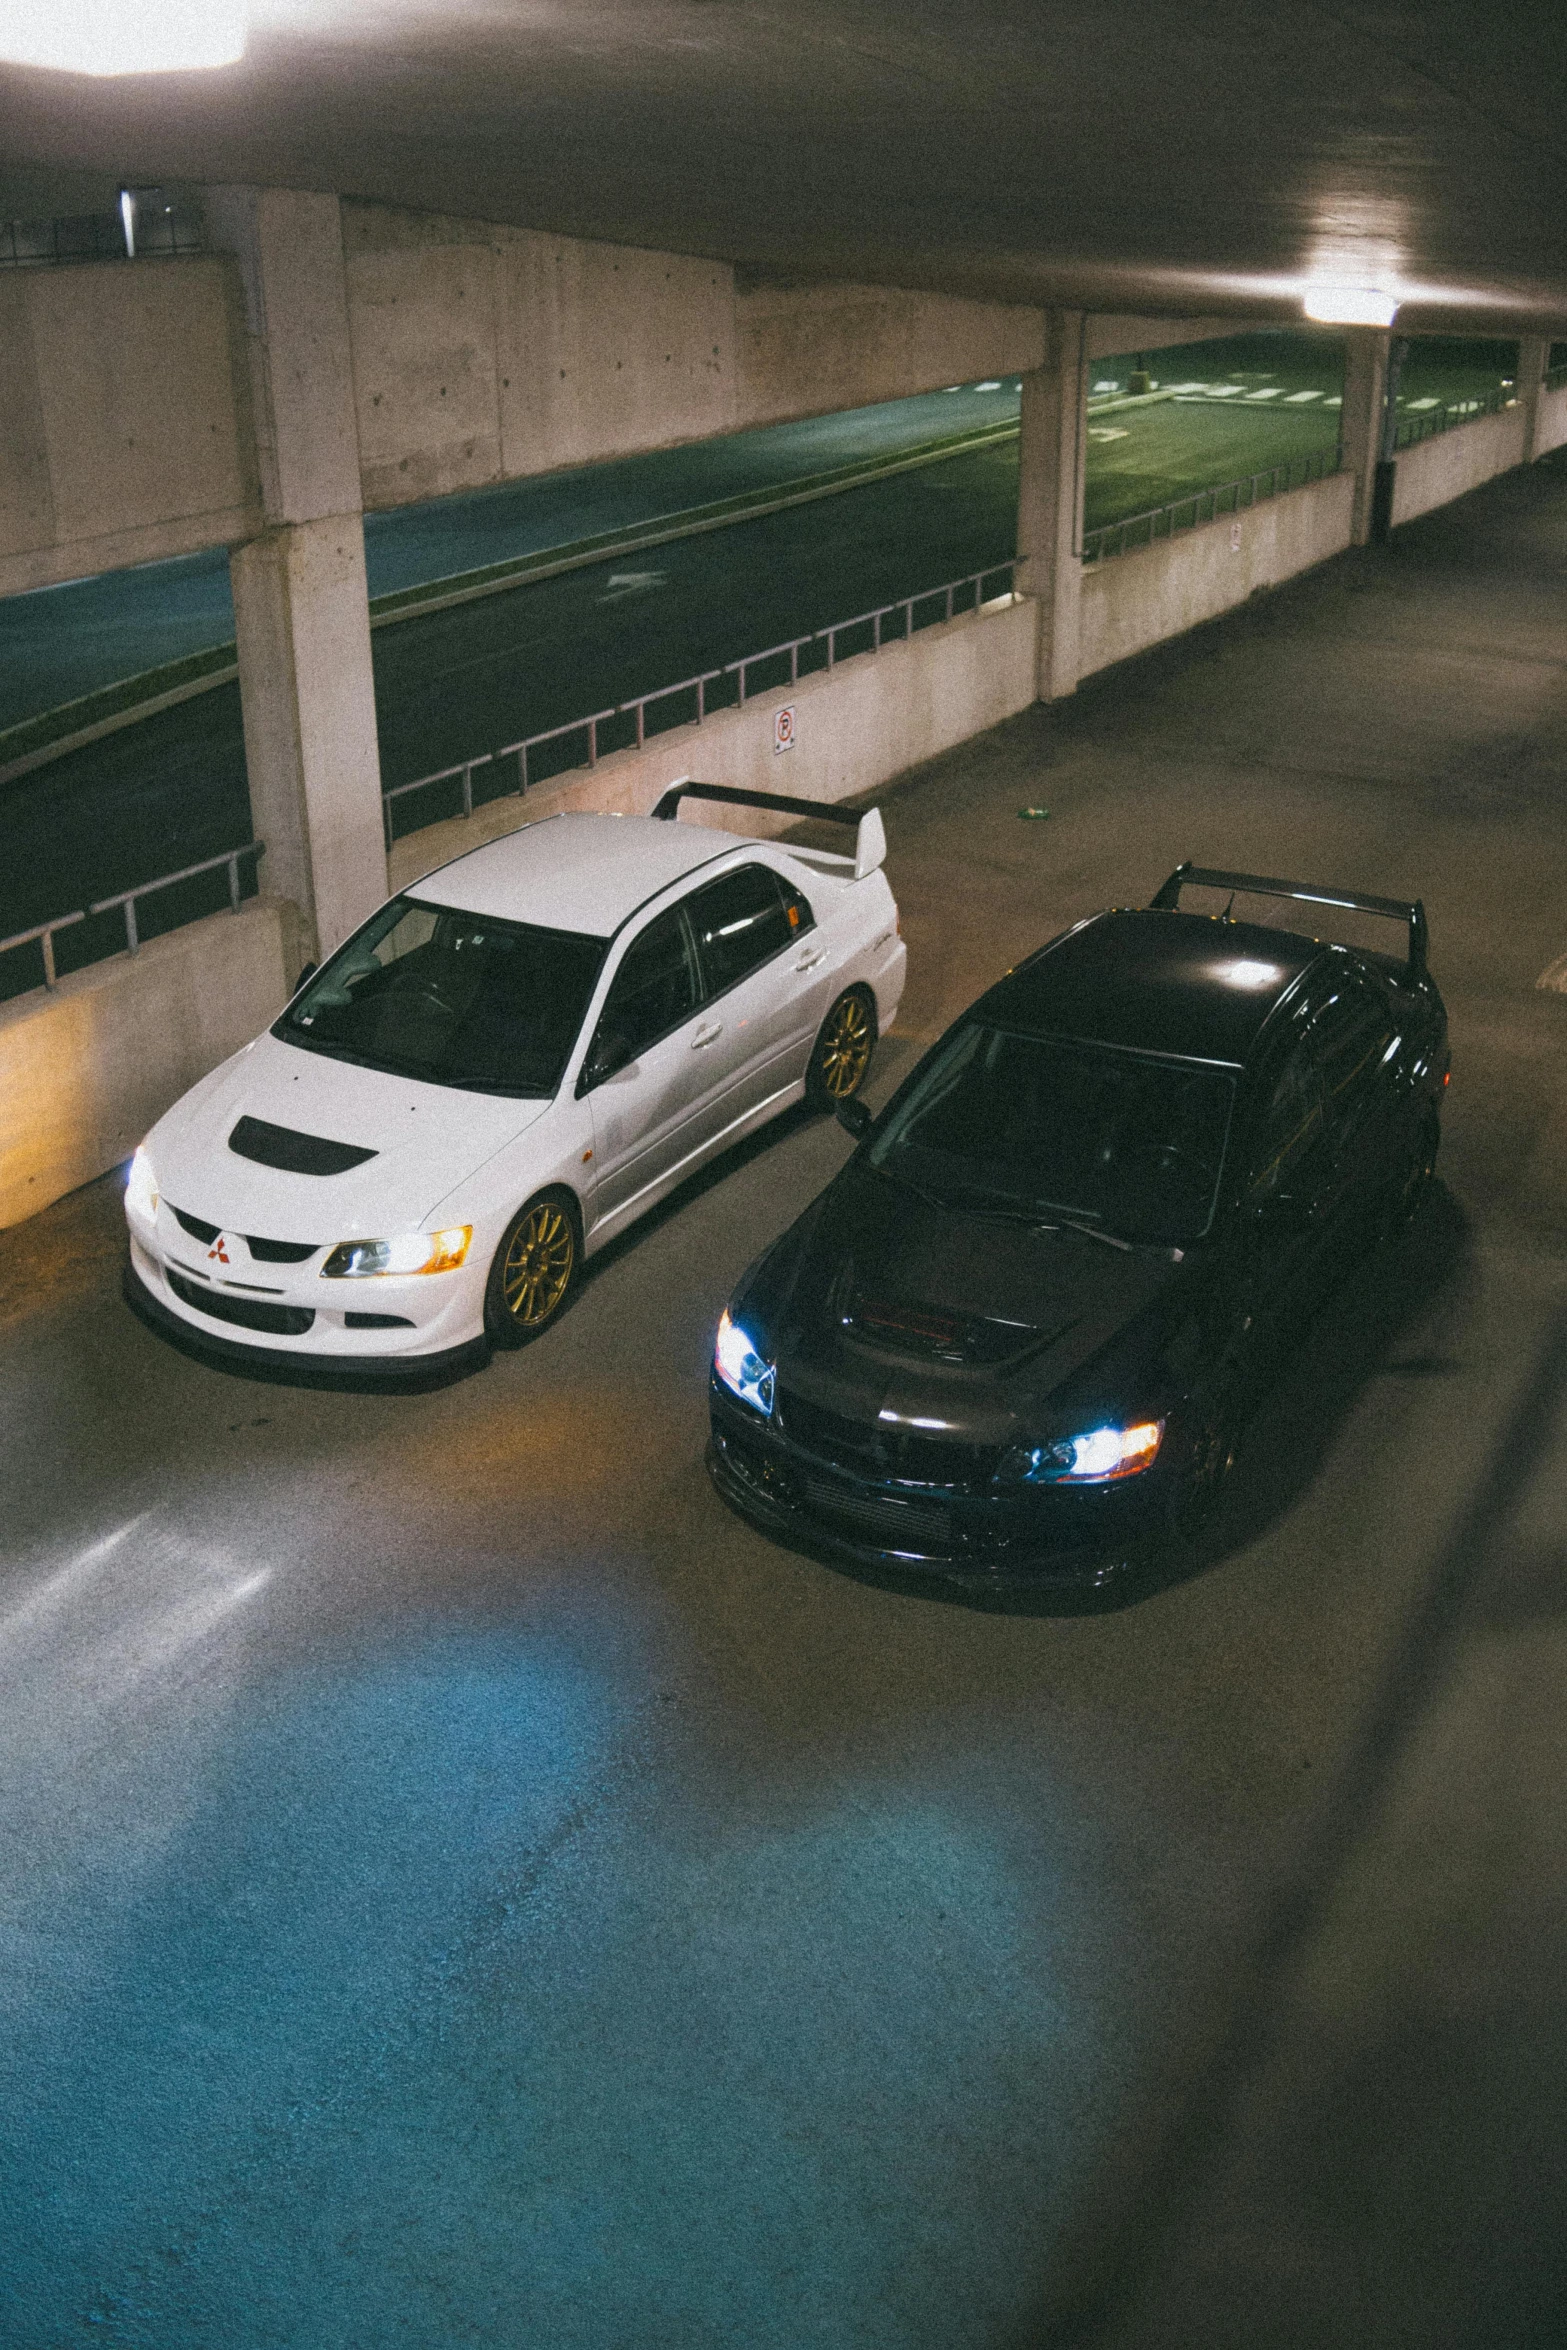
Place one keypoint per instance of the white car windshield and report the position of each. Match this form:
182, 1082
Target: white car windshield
451, 998
1031, 1127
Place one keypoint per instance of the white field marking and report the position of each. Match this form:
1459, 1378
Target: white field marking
1225, 391
631, 583
1298, 399
1335, 401
994, 385
1554, 977
1412, 405
1191, 387
1107, 432
1274, 393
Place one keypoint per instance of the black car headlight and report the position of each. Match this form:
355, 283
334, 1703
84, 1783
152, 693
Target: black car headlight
1099, 1457
739, 1366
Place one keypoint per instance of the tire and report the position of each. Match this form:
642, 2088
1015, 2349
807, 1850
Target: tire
841, 1055
1204, 1474
535, 1270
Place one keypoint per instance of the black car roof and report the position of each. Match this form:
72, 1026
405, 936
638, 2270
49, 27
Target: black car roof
1191, 984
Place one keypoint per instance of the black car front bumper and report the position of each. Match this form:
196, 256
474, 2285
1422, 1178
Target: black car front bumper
975, 1533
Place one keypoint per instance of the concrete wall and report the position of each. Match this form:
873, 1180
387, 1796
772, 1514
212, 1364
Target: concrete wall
87, 1067
1550, 426
869, 720
1132, 601
484, 353
120, 434
1436, 471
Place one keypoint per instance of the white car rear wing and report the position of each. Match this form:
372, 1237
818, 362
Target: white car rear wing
870, 836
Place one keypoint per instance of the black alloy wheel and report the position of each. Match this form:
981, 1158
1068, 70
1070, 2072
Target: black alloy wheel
841, 1055
534, 1270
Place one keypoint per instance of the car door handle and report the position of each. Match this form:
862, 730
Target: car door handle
809, 962
707, 1036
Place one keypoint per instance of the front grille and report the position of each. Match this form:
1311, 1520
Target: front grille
295, 1154
886, 1519
376, 1322
265, 1252
873, 1448
278, 1321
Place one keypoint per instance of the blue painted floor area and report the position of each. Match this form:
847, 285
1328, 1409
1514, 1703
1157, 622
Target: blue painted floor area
60, 643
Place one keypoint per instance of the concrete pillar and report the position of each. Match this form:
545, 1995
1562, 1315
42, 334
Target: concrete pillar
1050, 498
1361, 418
301, 608
1534, 357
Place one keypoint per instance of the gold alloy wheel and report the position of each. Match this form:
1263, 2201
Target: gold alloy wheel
845, 1051
540, 1260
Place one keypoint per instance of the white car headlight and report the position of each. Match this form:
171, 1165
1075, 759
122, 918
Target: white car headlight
413, 1252
141, 1187
741, 1369
1097, 1458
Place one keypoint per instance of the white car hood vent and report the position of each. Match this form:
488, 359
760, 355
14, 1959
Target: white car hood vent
294, 1153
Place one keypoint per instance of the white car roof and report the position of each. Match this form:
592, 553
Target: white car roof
574, 871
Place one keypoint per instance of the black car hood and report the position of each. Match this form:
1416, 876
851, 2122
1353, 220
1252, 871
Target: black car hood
881, 1305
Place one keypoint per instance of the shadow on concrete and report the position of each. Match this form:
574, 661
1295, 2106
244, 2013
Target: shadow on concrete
1170, 2196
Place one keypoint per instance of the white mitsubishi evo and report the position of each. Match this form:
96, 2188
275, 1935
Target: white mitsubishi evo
498, 1072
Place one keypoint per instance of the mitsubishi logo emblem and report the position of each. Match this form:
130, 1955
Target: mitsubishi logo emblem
219, 1250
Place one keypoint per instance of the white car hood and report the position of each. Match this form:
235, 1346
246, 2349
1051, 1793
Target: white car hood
427, 1139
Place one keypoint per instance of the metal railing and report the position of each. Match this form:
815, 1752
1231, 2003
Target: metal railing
1411, 430
632, 713
1231, 497
42, 935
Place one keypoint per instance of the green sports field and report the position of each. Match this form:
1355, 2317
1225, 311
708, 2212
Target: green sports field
1220, 412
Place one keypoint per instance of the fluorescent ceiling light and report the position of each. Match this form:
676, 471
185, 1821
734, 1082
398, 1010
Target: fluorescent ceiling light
1334, 305
122, 36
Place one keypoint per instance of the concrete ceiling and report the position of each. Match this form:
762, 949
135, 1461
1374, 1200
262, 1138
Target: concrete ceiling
1125, 153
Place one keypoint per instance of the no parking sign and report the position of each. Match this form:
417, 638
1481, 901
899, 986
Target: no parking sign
783, 728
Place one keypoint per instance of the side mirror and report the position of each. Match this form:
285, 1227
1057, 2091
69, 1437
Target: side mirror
610, 1054
854, 1116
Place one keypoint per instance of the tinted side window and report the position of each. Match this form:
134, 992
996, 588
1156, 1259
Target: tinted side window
740, 922
655, 988
1350, 1035
1289, 1133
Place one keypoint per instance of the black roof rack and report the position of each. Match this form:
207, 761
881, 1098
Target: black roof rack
1408, 910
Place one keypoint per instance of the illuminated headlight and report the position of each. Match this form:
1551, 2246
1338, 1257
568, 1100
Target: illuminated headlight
141, 1187
742, 1370
1097, 1458
415, 1252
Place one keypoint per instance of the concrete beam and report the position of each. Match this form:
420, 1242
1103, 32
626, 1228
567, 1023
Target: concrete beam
1362, 418
301, 604
1051, 460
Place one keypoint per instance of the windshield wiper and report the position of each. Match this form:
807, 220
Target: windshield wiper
932, 1199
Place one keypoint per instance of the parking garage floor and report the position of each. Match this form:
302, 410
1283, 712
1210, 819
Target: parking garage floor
461, 1886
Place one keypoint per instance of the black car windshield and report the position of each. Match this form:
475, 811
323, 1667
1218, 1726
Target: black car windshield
1033, 1126
454, 999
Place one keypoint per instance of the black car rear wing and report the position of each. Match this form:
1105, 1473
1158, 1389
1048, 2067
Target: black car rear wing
1167, 897
870, 838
